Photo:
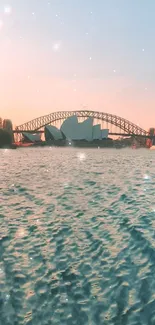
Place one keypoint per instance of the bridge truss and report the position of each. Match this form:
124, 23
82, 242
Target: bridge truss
122, 124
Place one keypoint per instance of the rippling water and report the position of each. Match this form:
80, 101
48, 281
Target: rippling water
77, 237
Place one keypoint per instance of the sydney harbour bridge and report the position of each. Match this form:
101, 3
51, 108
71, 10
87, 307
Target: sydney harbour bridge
117, 126
124, 126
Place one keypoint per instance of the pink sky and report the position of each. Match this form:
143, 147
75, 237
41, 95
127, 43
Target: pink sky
25, 97
52, 59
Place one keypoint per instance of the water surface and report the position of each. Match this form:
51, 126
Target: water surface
77, 236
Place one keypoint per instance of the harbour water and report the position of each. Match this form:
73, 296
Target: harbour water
77, 236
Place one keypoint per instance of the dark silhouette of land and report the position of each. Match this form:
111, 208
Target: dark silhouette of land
6, 139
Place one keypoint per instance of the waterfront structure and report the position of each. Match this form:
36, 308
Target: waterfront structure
72, 130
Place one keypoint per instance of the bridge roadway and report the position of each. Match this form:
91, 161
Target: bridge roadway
110, 133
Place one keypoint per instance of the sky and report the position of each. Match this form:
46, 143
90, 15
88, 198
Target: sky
77, 54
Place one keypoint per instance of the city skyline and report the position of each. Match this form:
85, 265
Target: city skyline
71, 55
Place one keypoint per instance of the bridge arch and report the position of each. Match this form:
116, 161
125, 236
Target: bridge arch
123, 124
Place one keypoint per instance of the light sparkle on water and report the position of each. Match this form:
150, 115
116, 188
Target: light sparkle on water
66, 185
7, 297
146, 177
21, 232
1, 271
81, 156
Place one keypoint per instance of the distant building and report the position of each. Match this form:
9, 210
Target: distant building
1, 123
152, 131
5, 138
7, 125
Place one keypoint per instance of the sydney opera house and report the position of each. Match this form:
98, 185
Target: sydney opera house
70, 132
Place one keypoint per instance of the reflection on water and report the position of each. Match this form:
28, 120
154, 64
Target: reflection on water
77, 237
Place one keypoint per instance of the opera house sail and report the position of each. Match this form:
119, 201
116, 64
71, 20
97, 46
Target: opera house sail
31, 138
73, 130
52, 133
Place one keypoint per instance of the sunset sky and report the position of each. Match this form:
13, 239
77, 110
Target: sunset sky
76, 54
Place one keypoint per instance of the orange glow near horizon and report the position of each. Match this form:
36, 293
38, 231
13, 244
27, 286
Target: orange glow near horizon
28, 99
